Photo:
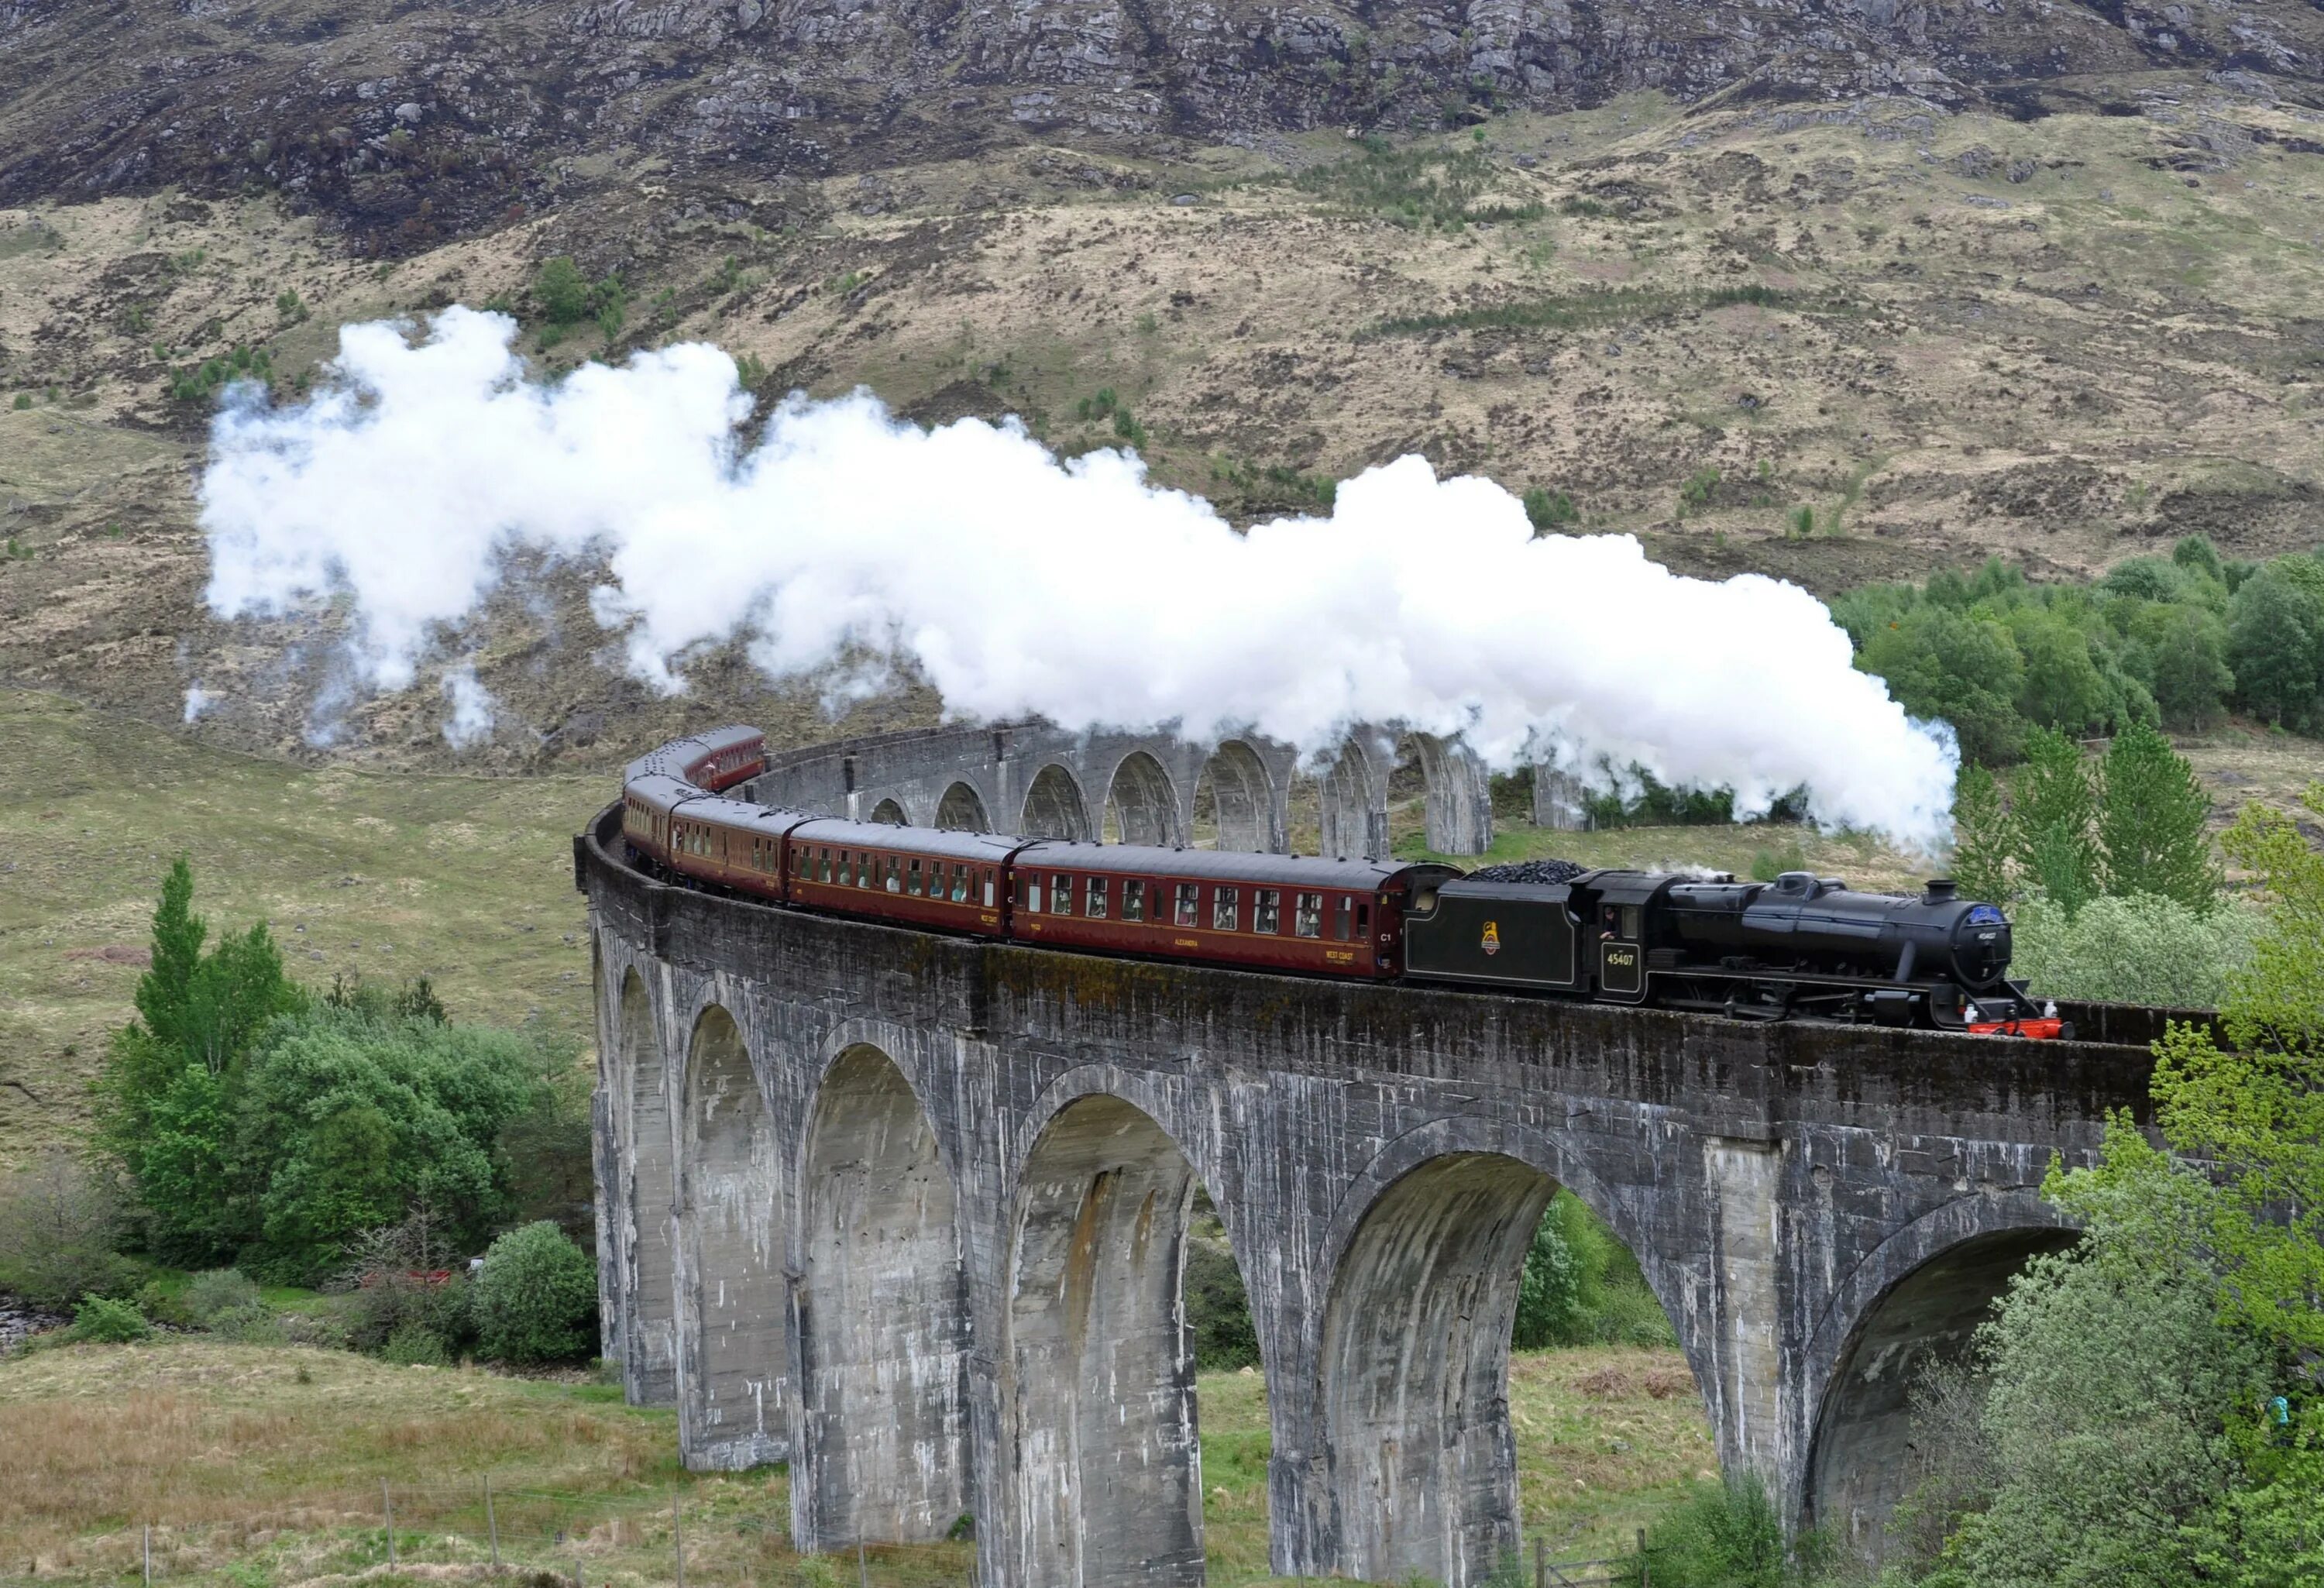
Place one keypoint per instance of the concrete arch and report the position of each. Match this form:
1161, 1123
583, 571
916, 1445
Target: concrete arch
1458, 803
1141, 803
1414, 1368
1913, 1303
883, 1317
1106, 1462
891, 813
650, 1351
1054, 807
962, 810
1415, 1470
1244, 797
731, 1227
1354, 805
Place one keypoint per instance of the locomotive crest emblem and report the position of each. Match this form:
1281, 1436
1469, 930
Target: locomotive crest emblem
1492, 943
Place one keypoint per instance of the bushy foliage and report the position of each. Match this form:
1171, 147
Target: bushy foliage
2151, 822
60, 1220
2145, 949
101, 1321
2171, 641
2056, 813
2152, 1402
218, 1291
1983, 842
1218, 1307
267, 1129
1729, 1534
1581, 1286
537, 1297
403, 1282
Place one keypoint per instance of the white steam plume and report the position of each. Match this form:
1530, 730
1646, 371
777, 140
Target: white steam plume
1020, 585
471, 722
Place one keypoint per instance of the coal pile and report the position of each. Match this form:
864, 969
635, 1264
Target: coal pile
1549, 871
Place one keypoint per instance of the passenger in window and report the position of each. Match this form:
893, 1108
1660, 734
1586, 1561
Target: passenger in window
960, 884
1061, 895
1093, 906
1226, 909
912, 883
1189, 901
895, 876
1266, 912
1133, 900
1307, 917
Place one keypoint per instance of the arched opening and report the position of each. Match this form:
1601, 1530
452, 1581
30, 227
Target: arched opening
1352, 820
1448, 788
882, 1320
1864, 1459
962, 810
732, 1410
1421, 1465
1234, 802
1107, 1462
1141, 807
649, 1350
1054, 806
890, 812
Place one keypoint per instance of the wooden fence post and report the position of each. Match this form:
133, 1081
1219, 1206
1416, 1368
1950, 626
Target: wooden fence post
387, 1502
492, 1522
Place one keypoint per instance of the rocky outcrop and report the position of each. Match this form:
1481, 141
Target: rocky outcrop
414, 123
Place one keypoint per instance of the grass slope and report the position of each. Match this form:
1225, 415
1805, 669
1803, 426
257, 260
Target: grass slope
468, 880
259, 1466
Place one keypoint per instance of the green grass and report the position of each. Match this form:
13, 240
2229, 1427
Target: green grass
468, 880
262, 1465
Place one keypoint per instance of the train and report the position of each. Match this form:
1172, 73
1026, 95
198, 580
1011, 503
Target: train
1799, 947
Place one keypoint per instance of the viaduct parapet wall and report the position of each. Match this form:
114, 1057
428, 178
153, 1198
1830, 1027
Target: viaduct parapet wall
908, 1211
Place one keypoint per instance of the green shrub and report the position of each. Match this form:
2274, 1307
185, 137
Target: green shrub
2145, 949
1726, 1536
1546, 509
58, 1222
414, 1345
254, 1324
220, 1290
561, 291
23, 401
537, 1297
103, 1322
1218, 1308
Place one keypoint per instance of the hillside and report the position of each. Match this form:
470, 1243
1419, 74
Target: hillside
1952, 281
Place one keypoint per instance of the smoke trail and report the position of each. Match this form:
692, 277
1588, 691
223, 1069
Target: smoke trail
471, 722
1020, 585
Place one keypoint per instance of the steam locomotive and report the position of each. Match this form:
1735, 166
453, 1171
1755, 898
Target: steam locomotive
1802, 946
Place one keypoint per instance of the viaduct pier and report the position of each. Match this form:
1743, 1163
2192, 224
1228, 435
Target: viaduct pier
908, 1212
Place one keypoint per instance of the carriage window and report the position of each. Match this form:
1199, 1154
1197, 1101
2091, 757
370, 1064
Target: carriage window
988, 890
1267, 911
1308, 915
1093, 903
895, 876
960, 884
1061, 895
1188, 895
1363, 918
1344, 917
1133, 900
1031, 902
1226, 909
913, 886
864, 875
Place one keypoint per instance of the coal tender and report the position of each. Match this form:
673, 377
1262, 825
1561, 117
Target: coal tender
1802, 946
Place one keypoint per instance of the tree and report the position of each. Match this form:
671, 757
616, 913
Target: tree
1562, 1289
2188, 659
58, 1222
2152, 817
2145, 949
2275, 642
561, 291
1941, 663
2061, 688
1981, 835
536, 1297
2055, 814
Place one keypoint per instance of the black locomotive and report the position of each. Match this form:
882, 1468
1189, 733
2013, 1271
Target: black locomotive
1801, 945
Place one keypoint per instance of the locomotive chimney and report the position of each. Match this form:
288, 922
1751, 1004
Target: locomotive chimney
1942, 891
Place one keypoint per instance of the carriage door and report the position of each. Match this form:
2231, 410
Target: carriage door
1621, 956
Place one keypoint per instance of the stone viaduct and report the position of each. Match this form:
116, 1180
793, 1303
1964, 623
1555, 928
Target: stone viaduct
1035, 779
908, 1212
